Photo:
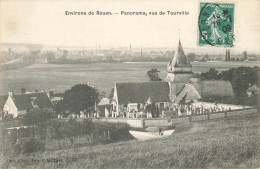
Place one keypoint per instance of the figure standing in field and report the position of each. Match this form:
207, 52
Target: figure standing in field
213, 21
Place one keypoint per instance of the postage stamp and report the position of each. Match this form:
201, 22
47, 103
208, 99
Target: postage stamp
216, 24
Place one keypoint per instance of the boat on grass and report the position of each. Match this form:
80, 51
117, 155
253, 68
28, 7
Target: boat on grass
144, 135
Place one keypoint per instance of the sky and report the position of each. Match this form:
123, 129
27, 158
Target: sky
45, 22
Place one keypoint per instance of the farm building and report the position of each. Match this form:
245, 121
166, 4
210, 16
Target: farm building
20, 104
180, 87
104, 107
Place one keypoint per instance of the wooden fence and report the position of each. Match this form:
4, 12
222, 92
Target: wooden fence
56, 144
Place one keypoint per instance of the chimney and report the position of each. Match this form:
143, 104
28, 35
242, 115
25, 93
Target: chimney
23, 90
11, 93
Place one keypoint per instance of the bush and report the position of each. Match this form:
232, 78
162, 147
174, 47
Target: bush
36, 117
29, 146
53, 129
62, 129
118, 131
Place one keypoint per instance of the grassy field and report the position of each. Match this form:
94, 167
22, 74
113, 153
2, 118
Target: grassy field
225, 143
103, 76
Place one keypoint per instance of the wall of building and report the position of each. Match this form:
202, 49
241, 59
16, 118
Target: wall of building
10, 107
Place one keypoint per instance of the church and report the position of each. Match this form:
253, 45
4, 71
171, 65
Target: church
180, 87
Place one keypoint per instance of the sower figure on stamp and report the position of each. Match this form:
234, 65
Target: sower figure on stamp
216, 33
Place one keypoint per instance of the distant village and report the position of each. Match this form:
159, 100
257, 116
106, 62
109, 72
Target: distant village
24, 54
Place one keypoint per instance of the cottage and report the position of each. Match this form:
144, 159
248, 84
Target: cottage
20, 104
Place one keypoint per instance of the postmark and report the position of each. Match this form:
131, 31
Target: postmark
216, 24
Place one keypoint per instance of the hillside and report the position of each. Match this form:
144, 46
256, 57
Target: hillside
223, 143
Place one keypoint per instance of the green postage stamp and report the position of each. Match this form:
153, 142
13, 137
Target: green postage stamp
216, 24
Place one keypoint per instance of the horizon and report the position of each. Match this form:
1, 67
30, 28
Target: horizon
45, 22
197, 50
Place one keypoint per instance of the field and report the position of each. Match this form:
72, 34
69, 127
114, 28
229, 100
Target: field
226, 143
103, 76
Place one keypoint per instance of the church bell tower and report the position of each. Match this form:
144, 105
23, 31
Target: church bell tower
179, 69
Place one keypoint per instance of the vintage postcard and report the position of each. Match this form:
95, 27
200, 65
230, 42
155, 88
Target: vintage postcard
129, 84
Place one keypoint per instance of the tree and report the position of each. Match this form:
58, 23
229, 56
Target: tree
212, 74
240, 79
153, 75
245, 55
205, 58
191, 56
79, 97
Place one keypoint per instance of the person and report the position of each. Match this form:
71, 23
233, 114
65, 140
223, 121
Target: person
216, 33
160, 131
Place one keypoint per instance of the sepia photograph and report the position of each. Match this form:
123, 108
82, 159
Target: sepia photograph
129, 84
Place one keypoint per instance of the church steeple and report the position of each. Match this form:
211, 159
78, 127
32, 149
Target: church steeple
179, 68
179, 59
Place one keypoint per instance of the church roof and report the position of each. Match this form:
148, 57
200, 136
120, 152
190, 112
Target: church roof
202, 89
188, 91
3, 100
179, 59
140, 92
216, 88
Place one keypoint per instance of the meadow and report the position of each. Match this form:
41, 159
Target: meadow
103, 75
225, 143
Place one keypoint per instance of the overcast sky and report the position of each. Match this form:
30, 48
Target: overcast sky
45, 22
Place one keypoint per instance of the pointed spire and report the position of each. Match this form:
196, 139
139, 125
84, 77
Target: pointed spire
179, 59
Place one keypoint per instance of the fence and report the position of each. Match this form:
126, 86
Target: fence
212, 116
54, 144
149, 122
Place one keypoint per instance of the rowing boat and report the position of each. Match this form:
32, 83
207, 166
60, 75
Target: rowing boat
140, 135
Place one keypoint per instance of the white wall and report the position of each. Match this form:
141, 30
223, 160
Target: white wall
10, 107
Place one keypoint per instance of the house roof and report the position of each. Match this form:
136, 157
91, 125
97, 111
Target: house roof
215, 88
104, 101
254, 88
140, 92
3, 100
179, 59
24, 101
